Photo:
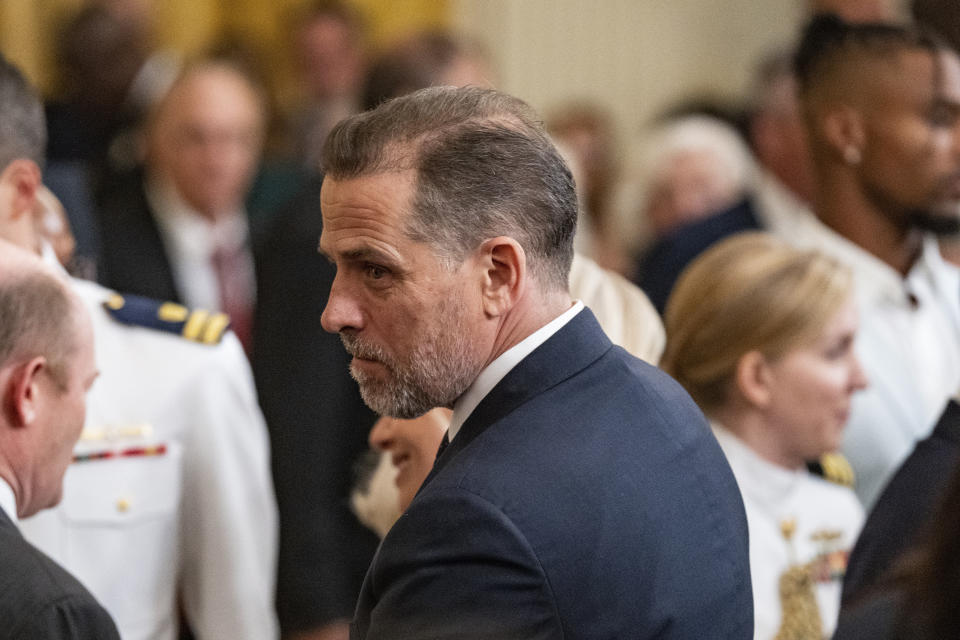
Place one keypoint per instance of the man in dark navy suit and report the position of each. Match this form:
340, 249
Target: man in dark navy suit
581, 494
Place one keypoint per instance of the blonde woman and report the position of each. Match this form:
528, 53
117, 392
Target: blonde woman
761, 335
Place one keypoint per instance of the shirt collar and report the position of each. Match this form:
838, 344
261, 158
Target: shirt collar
766, 483
8, 501
189, 231
875, 279
502, 365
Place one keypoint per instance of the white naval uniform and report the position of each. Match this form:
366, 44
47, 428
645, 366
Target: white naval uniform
196, 525
773, 494
908, 344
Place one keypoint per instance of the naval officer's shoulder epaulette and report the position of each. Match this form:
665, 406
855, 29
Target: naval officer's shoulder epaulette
835, 468
196, 325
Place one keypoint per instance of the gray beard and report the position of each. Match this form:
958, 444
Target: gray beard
434, 374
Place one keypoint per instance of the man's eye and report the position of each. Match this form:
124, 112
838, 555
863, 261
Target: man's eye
375, 272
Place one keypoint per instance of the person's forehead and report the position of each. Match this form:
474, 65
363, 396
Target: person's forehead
370, 208
905, 79
214, 95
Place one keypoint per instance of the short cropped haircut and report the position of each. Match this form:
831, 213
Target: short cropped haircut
750, 292
23, 127
37, 318
484, 167
828, 40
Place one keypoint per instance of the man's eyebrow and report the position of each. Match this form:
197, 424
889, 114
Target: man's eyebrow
361, 254
323, 253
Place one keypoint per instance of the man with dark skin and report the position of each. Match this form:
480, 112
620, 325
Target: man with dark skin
881, 106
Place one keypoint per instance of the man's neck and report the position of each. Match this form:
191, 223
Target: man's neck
848, 212
526, 317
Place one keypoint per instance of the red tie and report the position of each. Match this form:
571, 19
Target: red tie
236, 299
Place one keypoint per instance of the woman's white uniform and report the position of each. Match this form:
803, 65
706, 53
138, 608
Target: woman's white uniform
823, 518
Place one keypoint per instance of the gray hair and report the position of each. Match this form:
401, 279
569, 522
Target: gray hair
484, 168
37, 318
23, 127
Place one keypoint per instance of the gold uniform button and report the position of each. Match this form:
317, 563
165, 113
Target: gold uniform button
123, 505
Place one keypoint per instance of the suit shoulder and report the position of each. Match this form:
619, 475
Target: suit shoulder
44, 601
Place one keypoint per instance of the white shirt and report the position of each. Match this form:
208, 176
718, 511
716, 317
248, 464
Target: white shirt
190, 240
502, 365
8, 502
773, 494
910, 352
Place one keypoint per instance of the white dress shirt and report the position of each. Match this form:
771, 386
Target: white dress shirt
190, 240
773, 495
908, 344
502, 365
8, 502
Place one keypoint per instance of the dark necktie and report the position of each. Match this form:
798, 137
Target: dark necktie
235, 294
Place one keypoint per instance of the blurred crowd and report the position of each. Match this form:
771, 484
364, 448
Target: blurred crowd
790, 256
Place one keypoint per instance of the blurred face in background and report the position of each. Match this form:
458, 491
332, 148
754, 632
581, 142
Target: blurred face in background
206, 139
331, 58
412, 446
810, 390
911, 152
689, 186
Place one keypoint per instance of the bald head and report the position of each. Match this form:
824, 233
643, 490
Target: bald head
46, 368
206, 135
36, 310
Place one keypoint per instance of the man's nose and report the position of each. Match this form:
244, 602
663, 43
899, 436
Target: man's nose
342, 311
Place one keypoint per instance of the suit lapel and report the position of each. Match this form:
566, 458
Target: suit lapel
575, 346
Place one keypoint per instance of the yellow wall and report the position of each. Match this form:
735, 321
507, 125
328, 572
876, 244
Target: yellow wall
27, 27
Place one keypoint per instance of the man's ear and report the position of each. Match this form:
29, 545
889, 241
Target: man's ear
19, 183
503, 266
843, 129
752, 378
23, 392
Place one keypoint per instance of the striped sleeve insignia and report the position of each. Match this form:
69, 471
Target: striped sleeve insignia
198, 325
835, 468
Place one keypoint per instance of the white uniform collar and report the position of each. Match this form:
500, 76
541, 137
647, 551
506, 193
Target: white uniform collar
496, 370
766, 483
8, 501
876, 281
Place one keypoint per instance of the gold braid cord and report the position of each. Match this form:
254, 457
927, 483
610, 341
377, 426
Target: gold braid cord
800, 617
